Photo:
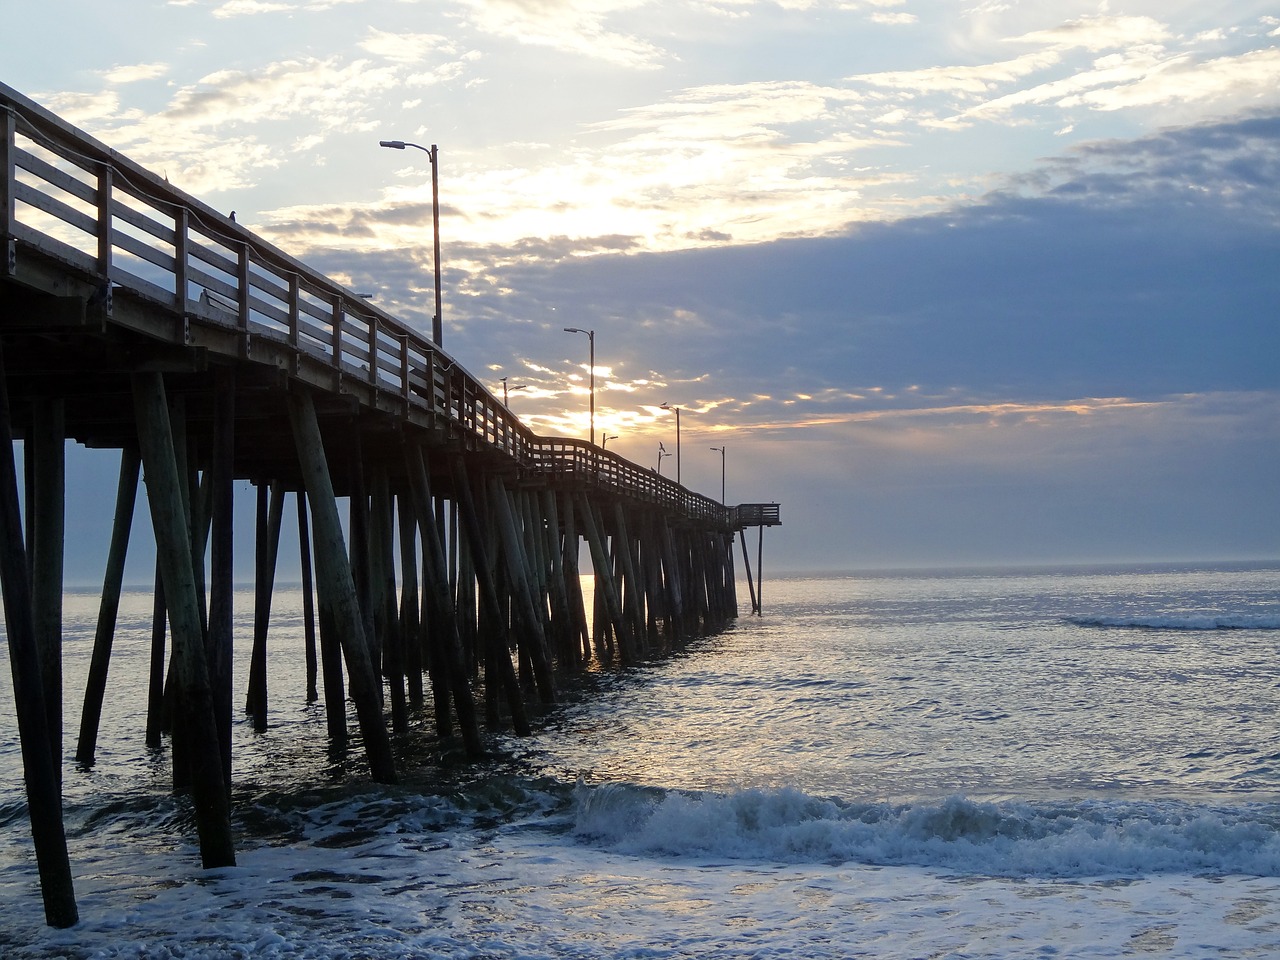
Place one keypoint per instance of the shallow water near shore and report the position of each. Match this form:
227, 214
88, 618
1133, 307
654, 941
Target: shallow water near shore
1076, 762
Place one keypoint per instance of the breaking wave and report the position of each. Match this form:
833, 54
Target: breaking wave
1010, 839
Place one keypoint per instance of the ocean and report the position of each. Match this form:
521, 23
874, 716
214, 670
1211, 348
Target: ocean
1026, 763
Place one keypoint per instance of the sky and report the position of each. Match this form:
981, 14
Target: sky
978, 282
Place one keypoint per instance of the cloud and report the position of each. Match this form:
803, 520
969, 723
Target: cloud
204, 137
1131, 269
570, 26
253, 8
134, 73
1251, 78
968, 81
249, 8
1099, 33
405, 47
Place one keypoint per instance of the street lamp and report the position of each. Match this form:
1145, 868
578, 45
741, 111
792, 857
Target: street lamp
662, 452
437, 324
720, 450
604, 441
667, 406
591, 361
518, 386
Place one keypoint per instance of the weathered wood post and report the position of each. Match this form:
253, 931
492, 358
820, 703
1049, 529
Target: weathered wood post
517, 564
498, 659
605, 584
447, 646
44, 799
169, 519
270, 515
338, 603
335, 696
746, 563
632, 590
220, 477
573, 581
308, 598
155, 675
672, 582
410, 606
47, 506
383, 595
109, 607
760, 572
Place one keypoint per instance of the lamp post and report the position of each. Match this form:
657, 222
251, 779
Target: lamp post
437, 324
518, 386
667, 406
720, 450
591, 362
604, 441
662, 452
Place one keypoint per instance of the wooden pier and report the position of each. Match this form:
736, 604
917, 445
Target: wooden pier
134, 317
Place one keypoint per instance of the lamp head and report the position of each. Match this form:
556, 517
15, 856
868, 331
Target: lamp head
393, 144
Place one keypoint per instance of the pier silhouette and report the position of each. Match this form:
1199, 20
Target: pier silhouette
134, 317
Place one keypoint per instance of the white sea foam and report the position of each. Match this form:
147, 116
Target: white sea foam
379, 876
989, 839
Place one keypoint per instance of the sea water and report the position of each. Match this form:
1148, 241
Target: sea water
983, 764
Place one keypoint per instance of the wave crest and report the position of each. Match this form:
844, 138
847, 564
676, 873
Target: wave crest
956, 834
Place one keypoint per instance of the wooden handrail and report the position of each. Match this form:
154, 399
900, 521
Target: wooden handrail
66, 195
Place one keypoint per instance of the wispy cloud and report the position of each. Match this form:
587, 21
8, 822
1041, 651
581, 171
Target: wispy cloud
578, 27
406, 47
134, 73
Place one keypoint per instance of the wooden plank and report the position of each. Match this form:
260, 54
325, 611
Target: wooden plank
55, 208
121, 210
55, 176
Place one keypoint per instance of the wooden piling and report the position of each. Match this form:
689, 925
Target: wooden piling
335, 697
760, 572
436, 586
220, 480
44, 799
746, 563
337, 589
606, 588
270, 514
383, 589
410, 616
109, 605
47, 506
533, 638
498, 659
170, 520
308, 599
155, 676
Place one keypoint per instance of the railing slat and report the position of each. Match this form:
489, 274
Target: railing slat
48, 173
56, 209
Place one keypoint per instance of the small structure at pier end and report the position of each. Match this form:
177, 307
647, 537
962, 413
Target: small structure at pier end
134, 317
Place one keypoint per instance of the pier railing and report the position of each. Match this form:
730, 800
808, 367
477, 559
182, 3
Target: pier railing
68, 198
